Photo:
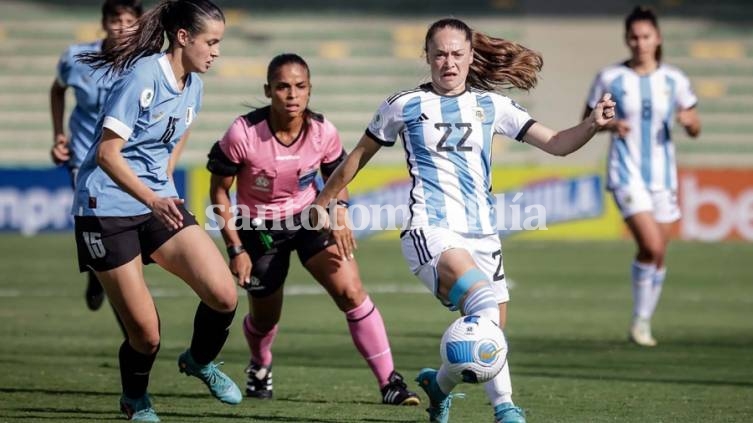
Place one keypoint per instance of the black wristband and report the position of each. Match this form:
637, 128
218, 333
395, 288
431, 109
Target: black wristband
234, 251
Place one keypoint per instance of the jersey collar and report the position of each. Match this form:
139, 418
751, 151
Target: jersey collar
164, 65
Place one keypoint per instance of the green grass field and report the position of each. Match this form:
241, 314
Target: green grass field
568, 318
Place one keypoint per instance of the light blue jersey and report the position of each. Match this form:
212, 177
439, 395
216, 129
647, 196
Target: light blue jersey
145, 108
90, 88
645, 158
448, 148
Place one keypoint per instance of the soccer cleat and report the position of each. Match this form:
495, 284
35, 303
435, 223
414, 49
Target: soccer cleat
220, 385
396, 392
640, 332
259, 381
138, 410
94, 295
507, 412
439, 403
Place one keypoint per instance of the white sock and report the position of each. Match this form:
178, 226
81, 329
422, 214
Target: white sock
656, 286
446, 381
643, 279
499, 389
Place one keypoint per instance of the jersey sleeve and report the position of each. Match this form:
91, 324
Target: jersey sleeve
333, 147
686, 97
386, 124
512, 119
598, 88
129, 97
234, 143
63, 72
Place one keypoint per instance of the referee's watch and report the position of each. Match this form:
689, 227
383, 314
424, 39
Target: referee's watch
235, 250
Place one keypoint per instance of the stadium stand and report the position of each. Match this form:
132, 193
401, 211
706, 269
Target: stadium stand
357, 60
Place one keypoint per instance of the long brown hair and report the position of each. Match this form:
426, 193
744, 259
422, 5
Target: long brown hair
166, 18
643, 13
497, 63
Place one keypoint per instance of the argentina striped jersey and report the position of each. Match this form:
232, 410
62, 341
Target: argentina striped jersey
646, 156
447, 142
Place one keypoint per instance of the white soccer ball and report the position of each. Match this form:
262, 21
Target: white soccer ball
473, 349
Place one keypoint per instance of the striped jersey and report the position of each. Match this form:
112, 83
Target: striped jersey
646, 156
90, 88
146, 108
277, 180
447, 142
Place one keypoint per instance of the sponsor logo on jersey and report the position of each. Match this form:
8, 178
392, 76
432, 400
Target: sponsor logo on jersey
189, 115
518, 106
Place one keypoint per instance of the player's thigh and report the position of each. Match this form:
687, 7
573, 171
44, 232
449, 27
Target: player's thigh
192, 256
437, 257
648, 234
339, 277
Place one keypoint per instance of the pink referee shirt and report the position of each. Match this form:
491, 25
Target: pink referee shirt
275, 180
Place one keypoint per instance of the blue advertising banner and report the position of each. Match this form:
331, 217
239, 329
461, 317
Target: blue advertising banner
33, 200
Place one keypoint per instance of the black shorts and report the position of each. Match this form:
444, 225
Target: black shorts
104, 243
271, 261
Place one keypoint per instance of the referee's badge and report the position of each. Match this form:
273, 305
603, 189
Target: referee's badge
262, 183
478, 113
146, 98
189, 115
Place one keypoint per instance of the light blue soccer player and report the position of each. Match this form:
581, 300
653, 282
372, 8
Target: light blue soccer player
127, 212
90, 88
641, 165
447, 125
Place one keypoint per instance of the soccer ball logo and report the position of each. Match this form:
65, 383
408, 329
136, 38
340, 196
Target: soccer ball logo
473, 349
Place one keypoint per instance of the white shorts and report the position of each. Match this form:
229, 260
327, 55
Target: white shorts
662, 204
423, 246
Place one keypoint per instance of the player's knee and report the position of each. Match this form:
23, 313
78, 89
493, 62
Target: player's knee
466, 283
652, 252
147, 343
349, 297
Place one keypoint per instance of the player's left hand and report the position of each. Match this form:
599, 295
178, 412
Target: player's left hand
604, 111
342, 234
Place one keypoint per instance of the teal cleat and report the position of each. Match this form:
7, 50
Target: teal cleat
507, 412
138, 410
439, 402
220, 385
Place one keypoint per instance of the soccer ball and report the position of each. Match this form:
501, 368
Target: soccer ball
473, 349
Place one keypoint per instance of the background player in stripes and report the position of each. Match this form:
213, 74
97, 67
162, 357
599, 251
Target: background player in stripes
90, 88
450, 241
642, 171
274, 153
127, 213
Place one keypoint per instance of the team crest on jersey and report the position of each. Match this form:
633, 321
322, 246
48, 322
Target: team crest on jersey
478, 114
262, 183
146, 97
189, 115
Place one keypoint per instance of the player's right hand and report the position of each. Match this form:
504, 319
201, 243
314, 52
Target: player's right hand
240, 267
165, 209
60, 153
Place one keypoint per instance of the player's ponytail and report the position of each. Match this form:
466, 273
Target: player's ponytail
500, 64
164, 19
497, 63
643, 13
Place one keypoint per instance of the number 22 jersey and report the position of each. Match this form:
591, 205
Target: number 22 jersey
447, 141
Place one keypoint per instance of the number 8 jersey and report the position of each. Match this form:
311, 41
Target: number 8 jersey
447, 142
